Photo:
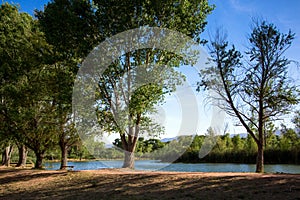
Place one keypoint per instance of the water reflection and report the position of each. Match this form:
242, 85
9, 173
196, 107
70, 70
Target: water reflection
181, 167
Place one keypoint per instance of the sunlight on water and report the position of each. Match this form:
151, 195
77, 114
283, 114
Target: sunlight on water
152, 165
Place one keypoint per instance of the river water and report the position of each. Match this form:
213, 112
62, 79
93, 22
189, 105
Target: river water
154, 165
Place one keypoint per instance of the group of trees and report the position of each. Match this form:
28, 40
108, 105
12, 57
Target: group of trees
40, 58
36, 89
98, 150
283, 147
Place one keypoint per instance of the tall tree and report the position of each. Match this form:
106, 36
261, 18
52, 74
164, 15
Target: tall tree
123, 103
256, 91
72, 39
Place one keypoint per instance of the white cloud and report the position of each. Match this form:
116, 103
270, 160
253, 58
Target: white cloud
242, 6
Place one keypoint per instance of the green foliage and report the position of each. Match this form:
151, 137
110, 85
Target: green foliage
144, 98
26, 102
37, 86
70, 26
267, 76
131, 87
188, 17
143, 146
87, 23
39, 59
234, 149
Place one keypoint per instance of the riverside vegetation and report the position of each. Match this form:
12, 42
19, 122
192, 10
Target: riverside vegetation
283, 148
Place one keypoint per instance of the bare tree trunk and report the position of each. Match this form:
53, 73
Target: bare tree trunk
3, 158
129, 148
22, 156
260, 158
6, 155
129, 160
39, 160
64, 150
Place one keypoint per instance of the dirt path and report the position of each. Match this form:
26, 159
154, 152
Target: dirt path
117, 184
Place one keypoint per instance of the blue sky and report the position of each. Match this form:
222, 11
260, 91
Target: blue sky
234, 16
29, 5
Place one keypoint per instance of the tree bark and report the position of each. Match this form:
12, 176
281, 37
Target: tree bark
260, 158
39, 160
261, 135
129, 160
6, 155
3, 158
64, 151
22, 156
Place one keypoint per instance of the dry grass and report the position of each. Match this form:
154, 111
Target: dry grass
116, 184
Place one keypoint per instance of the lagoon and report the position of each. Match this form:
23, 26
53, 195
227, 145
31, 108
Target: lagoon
154, 165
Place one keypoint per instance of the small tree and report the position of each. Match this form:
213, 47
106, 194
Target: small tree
71, 39
256, 91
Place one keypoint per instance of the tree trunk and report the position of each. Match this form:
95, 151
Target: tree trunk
130, 145
129, 148
129, 160
260, 142
260, 158
39, 160
6, 155
3, 158
22, 156
64, 151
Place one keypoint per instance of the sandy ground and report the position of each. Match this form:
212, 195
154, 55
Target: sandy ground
127, 184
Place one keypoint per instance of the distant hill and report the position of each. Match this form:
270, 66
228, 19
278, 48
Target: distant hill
277, 132
168, 139
242, 135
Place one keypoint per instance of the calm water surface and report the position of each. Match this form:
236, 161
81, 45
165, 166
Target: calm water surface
180, 167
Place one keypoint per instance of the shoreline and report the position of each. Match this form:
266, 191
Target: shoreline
121, 159
180, 167
136, 171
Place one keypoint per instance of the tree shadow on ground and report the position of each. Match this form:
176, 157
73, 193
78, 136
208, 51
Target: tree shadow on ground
97, 185
24, 175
